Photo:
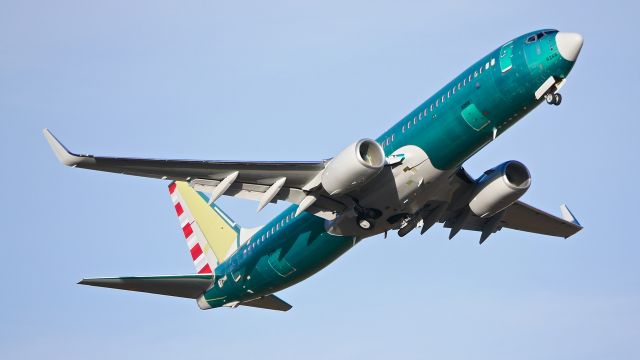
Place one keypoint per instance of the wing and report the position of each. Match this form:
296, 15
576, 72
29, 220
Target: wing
265, 182
518, 216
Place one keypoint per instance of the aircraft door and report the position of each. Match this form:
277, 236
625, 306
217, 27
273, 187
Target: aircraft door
506, 53
280, 265
473, 117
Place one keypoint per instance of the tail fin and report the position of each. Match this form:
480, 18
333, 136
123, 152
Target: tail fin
211, 235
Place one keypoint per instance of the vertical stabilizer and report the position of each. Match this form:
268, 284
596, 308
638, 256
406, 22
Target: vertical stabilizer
211, 235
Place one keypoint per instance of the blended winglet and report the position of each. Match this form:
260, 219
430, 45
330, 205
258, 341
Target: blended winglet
62, 153
567, 215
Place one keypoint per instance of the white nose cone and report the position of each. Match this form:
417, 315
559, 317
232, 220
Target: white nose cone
569, 44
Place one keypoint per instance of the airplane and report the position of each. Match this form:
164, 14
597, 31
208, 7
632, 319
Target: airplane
409, 177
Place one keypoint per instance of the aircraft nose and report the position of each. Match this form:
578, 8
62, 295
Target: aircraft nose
569, 45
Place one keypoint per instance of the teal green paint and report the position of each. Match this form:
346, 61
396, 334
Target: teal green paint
503, 97
473, 117
506, 54
489, 97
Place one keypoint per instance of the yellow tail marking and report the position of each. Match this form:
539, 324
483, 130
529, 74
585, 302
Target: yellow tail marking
218, 234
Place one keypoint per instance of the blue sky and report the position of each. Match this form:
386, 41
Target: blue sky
299, 81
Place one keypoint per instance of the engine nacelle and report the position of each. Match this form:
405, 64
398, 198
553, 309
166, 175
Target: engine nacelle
500, 187
353, 167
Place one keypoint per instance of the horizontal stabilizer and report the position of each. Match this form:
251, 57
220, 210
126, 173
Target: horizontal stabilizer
270, 302
186, 286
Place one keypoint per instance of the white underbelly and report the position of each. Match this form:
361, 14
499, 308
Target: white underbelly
400, 189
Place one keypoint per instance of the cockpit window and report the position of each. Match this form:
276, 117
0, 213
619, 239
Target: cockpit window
536, 37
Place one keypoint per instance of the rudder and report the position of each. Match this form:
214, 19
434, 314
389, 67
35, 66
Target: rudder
211, 235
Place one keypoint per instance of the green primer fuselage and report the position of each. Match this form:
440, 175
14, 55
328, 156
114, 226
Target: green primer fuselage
460, 119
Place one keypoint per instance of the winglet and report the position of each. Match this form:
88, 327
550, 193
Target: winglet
567, 215
64, 156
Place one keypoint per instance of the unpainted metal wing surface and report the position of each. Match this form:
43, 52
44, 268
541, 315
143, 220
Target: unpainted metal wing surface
251, 179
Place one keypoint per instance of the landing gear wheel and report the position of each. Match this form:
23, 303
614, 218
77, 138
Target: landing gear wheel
365, 224
553, 99
557, 99
549, 98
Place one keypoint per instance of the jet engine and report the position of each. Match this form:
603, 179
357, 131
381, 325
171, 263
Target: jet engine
353, 167
500, 187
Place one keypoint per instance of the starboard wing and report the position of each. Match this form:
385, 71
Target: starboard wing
263, 181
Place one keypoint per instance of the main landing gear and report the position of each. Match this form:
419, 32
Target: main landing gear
367, 217
553, 99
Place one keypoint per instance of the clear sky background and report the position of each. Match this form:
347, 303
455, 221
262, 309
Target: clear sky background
299, 81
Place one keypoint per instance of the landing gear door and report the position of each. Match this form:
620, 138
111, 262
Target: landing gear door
506, 53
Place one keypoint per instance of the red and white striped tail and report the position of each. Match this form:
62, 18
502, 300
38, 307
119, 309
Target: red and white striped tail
211, 235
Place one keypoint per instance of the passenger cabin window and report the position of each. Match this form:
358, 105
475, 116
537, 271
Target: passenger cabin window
493, 61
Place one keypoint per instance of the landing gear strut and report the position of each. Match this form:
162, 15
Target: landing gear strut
366, 217
553, 99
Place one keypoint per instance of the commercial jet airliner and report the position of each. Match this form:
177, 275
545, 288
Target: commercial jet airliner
409, 177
